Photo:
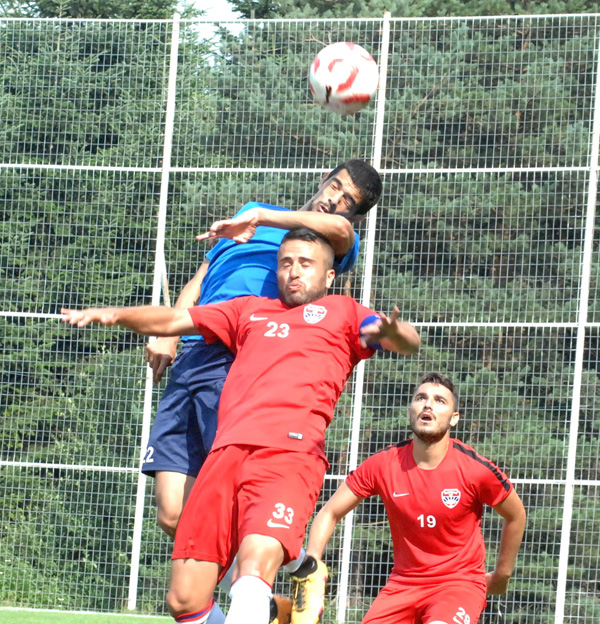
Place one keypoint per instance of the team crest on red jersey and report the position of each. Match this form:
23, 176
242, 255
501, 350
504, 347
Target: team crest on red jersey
450, 497
314, 313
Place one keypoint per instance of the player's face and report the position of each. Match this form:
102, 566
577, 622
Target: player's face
304, 272
431, 412
337, 195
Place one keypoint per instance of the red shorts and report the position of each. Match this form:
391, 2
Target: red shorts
244, 490
449, 602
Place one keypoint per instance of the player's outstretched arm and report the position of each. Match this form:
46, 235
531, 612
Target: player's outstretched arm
341, 503
147, 320
338, 230
513, 512
161, 352
392, 334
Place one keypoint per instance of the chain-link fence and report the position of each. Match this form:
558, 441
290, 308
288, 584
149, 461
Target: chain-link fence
121, 140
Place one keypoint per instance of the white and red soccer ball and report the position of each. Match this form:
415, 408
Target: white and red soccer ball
343, 78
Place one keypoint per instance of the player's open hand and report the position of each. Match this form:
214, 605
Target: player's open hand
240, 229
81, 318
388, 328
160, 355
496, 583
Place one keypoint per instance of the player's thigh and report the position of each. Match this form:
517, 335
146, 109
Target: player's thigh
206, 385
393, 606
454, 604
186, 420
207, 529
172, 490
175, 442
277, 494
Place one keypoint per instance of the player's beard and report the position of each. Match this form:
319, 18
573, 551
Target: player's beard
430, 437
302, 297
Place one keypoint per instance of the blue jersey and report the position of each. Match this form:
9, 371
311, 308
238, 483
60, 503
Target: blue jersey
241, 269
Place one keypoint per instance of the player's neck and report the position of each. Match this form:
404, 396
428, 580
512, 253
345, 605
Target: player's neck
429, 455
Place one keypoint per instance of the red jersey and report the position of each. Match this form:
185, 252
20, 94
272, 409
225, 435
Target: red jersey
290, 368
434, 515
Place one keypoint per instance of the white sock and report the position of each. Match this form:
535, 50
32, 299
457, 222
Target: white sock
225, 583
216, 616
293, 565
250, 601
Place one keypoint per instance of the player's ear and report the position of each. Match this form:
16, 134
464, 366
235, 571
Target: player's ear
454, 419
323, 179
330, 277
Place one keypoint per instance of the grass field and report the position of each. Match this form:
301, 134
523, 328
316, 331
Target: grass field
30, 616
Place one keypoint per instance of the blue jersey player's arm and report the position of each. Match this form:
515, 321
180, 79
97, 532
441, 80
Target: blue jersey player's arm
161, 352
241, 228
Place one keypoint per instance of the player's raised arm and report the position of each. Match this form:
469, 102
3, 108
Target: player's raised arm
337, 229
147, 320
513, 512
392, 334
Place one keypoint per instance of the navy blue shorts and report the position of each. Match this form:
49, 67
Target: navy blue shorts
186, 420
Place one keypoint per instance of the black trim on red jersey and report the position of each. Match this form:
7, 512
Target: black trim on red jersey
392, 446
469, 452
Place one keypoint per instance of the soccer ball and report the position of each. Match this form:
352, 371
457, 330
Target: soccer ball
343, 78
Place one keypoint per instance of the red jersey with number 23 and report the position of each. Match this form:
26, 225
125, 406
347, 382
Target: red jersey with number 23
290, 368
434, 515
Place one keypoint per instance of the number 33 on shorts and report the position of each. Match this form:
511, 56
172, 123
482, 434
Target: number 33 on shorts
282, 517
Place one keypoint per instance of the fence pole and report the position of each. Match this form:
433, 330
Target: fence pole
159, 280
366, 301
565, 538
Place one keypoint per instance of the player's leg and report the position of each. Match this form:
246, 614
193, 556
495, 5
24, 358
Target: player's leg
190, 597
257, 562
454, 604
395, 604
175, 451
277, 494
280, 606
205, 535
185, 426
172, 490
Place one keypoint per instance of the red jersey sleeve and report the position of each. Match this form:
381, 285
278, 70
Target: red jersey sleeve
363, 481
219, 321
493, 485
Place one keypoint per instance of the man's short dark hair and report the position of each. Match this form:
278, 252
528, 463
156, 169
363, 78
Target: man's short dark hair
440, 380
367, 181
310, 236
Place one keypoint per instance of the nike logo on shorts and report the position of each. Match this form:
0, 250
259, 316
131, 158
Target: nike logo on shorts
276, 525
396, 495
258, 318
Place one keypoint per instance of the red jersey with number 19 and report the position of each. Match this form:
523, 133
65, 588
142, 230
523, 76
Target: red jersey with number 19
290, 368
434, 515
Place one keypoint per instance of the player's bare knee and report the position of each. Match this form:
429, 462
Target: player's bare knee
167, 522
177, 604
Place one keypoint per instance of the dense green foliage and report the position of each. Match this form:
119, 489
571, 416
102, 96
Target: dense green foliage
477, 246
